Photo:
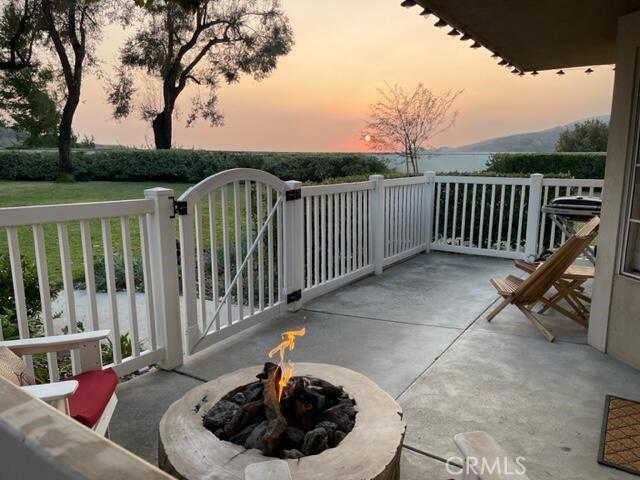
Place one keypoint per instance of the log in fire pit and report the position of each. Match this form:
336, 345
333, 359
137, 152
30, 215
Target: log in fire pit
328, 422
309, 416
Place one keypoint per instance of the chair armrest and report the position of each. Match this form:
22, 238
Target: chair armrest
50, 392
478, 446
54, 343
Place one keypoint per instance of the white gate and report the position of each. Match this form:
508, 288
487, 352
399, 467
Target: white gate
232, 248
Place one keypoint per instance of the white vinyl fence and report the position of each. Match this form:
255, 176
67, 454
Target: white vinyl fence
251, 246
337, 235
90, 225
501, 217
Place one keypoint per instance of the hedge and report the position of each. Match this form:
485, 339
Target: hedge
184, 165
577, 165
487, 173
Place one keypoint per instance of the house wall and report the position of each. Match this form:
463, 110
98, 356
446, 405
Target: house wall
615, 314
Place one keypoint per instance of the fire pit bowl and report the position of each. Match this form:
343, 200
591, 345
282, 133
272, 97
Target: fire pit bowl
370, 451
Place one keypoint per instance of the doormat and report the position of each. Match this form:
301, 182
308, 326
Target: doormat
620, 437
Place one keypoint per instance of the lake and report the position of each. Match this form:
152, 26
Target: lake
445, 162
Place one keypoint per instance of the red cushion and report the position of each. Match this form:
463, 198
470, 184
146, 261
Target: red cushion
95, 389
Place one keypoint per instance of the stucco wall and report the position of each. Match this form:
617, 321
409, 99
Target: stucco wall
615, 313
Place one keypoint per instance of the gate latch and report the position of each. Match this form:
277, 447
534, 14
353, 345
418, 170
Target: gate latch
294, 296
295, 194
180, 208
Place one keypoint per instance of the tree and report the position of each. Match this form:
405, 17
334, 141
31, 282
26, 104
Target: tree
30, 30
72, 26
588, 136
28, 105
404, 121
197, 43
19, 32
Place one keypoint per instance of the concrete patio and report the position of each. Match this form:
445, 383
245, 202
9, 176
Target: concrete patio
418, 331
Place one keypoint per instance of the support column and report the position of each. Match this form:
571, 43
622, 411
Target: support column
164, 269
294, 245
428, 202
377, 222
533, 215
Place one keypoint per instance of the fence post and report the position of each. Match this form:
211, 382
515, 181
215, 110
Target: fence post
294, 247
164, 269
533, 215
428, 206
377, 222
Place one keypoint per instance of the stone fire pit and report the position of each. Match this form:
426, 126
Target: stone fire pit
370, 451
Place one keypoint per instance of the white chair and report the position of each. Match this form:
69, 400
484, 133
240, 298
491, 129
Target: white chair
89, 396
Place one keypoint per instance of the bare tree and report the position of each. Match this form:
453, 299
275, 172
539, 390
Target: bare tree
404, 122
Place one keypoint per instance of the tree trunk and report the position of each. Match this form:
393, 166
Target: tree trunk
65, 132
162, 126
414, 160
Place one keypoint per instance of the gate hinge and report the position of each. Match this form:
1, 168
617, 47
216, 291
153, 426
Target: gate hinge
294, 296
180, 207
295, 194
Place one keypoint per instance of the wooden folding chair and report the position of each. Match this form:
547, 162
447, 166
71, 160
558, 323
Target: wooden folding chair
569, 288
525, 294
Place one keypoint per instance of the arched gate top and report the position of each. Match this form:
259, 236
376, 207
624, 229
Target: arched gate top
209, 184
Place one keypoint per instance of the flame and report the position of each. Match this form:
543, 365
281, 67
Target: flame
288, 341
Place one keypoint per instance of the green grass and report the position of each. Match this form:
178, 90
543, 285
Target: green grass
13, 194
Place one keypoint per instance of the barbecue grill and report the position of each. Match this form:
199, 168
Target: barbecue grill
566, 211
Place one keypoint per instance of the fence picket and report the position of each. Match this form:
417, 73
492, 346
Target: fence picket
237, 228
248, 210
472, 223
330, 229
464, 214
259, 202
309, 243
523, 191
89, 274
213, 240
271, 270
200, 268
18, 291
226, 249
147, 279
45, 297
316, 240
130, 285
111, 289
500, 217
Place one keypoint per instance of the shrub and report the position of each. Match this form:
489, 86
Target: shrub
8, 316
184, 165
487, 173
359, 178
577, 165
121, 282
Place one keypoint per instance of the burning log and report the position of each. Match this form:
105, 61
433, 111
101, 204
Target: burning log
303, 417
270, 392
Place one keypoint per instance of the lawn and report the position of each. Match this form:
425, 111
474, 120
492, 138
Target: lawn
14, 194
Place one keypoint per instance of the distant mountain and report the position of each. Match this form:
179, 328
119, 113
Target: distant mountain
543, 141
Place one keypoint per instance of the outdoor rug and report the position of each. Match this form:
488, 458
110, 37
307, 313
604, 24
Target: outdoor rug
620, 438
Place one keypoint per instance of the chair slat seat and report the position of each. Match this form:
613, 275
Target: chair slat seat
574, 272
507, 286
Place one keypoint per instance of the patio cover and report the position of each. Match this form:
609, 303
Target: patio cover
539, 34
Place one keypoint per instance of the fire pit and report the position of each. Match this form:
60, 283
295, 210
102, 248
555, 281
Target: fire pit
194, 441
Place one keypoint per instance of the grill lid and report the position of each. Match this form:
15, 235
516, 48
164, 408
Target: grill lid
577, 202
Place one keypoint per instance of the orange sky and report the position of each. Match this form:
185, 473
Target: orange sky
318, 98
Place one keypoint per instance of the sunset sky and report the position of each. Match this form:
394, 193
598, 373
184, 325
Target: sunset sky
318, 98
